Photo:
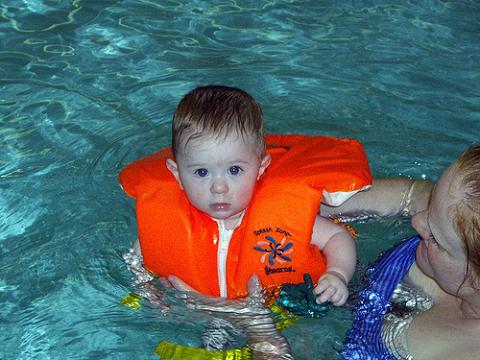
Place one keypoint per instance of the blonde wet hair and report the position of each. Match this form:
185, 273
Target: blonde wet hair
466, 213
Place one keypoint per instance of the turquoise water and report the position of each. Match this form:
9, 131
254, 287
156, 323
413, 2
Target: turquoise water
86, 87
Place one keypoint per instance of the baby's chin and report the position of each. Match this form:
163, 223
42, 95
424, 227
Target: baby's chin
231, 215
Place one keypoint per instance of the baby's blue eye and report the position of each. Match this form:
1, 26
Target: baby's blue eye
235, 170
201, 172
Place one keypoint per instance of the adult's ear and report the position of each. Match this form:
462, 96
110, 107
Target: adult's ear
173, 168
267, 159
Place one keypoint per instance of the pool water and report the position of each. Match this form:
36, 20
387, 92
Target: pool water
87, 87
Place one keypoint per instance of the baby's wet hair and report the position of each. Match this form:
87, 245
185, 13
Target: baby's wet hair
218, 111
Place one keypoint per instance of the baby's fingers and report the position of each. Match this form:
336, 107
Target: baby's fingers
323, 284
324, 290
331, 288
327, 295
339, 298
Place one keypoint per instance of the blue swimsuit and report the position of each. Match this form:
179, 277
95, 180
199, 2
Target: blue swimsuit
364, 340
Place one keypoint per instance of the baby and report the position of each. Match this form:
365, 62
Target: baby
233, 210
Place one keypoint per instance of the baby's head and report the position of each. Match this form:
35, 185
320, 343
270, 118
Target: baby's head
217, 111
219, 148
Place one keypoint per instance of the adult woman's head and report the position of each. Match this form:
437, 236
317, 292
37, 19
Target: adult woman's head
450, 252
466, 212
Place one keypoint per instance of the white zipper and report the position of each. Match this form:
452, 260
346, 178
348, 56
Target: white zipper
223, 242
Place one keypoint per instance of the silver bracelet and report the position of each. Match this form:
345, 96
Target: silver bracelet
407, 199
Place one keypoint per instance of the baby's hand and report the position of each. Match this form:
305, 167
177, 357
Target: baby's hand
331, 287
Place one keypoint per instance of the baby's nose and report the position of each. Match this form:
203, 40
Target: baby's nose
219, 186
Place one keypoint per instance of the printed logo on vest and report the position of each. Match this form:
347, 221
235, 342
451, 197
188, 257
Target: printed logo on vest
275, 251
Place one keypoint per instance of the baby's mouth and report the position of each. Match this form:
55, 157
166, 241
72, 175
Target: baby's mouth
219, 206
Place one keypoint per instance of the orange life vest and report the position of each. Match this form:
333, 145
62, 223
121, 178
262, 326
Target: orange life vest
273, 239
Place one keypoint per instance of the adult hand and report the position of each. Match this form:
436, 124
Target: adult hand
179, 284
248, 314
252, 304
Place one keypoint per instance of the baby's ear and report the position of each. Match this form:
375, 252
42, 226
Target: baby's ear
267, 159
173, 168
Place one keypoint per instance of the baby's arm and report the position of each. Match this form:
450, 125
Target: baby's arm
338, 246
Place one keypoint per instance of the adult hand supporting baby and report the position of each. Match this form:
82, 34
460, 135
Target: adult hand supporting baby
252, 304
179, 284
247, 314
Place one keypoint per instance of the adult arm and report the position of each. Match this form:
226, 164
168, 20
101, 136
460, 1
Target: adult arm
386, 197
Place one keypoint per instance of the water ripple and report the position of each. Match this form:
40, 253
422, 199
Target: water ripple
35, 12
88, 87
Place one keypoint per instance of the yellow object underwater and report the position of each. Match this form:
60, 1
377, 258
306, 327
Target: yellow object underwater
168, 350
171, 351
132, 301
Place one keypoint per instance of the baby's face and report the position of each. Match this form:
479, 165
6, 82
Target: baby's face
219, 174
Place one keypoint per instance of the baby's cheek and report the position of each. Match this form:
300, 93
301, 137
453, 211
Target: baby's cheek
245, 190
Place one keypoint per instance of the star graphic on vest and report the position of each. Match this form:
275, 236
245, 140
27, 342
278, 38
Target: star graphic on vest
276, 251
